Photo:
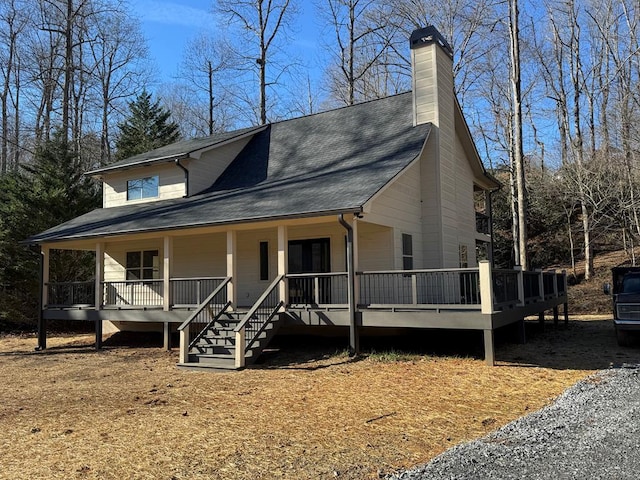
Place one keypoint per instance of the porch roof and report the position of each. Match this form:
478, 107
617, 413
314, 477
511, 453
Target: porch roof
332, 162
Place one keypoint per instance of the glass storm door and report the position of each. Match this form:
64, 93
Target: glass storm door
309, 256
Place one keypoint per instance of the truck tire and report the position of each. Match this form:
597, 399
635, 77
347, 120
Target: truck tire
624, 338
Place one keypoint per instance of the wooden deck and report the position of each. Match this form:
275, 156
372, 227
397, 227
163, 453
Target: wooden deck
469, 299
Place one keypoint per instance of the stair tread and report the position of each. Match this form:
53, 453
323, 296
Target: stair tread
207, 366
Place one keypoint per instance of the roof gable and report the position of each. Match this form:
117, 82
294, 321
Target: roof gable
316, 165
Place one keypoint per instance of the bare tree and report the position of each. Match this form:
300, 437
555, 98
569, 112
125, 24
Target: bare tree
204, 59
262, 23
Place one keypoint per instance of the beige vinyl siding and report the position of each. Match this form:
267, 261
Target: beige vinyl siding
200, 256
204, 171
170, 184
250, 287
466, 209
375, 247
399, 207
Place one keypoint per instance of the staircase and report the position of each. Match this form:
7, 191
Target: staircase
215, 345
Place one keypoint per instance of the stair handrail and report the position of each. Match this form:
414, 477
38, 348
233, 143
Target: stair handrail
204, 304
259, 303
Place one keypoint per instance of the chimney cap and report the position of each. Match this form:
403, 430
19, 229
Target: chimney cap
427, 36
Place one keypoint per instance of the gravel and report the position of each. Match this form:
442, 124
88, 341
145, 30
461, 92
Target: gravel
591, 431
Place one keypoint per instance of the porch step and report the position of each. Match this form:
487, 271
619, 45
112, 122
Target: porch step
222, 366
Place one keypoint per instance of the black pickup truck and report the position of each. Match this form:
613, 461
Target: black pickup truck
626, 302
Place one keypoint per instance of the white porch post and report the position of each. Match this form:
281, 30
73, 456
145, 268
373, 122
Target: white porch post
99, 290
167, 252
283, 261
44, 291
486, 286
232, 268
99, 275
166, 272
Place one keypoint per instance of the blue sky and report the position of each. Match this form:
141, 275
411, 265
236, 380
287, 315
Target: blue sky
169, 24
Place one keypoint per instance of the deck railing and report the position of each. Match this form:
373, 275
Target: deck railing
133, 293
71, 294
317, 288
420, 287
190, 292
209, 311
257, 319
531, 284
505, 288
482, 223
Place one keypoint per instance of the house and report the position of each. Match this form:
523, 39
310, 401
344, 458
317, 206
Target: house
362, 217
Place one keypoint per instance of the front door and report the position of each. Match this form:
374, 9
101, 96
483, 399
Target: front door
309, 256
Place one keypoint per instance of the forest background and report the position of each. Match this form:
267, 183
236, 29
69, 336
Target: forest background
75, 77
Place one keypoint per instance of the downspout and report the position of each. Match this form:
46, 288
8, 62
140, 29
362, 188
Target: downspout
354, 347
186, 177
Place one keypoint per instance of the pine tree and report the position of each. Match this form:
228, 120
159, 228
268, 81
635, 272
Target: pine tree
146, 128
50, 191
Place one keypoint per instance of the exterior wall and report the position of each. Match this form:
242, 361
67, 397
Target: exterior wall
249, 285
204, 171
375, 247
466, 221
199, 256
171, 184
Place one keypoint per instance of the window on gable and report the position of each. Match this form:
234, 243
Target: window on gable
264, 260
407, 252
144, 265
140, 188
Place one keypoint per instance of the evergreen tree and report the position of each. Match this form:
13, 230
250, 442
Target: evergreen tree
50, 191
146, 128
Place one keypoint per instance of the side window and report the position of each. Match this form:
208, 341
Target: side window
407, 252
140, 188
264, 260
143, 265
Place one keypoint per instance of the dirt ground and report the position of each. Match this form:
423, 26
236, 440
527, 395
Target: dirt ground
306, 412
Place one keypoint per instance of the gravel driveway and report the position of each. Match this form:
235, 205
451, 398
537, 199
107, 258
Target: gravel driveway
592, 431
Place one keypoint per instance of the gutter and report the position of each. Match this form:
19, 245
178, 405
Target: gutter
186, 177
354, 347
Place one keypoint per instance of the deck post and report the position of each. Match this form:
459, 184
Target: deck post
283, 261
541, 320
356, 262
555, 315
183, 354
565, 310
241, 345
166, 336
44, 274
232, 268
541, 283
489, 352
98, 334
486, 287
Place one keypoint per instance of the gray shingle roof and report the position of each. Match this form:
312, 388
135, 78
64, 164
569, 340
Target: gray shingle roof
174, 150
320, 164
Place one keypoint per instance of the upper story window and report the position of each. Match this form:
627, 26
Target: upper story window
140, 188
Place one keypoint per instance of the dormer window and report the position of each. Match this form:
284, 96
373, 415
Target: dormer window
140, 188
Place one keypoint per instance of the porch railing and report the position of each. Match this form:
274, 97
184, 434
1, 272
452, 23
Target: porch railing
133, 293
318, 288
71, 294
505, 288
459, 286
190, 292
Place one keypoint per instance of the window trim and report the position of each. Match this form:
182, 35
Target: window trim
407, 253
141, 268
141, 189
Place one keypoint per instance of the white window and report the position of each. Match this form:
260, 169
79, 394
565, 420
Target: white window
140, 188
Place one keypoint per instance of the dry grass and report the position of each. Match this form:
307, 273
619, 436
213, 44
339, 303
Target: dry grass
125, 412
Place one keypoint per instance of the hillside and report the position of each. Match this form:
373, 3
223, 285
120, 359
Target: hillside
587, 297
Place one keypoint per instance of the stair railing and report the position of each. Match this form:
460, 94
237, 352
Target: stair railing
257, 319
207, 313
